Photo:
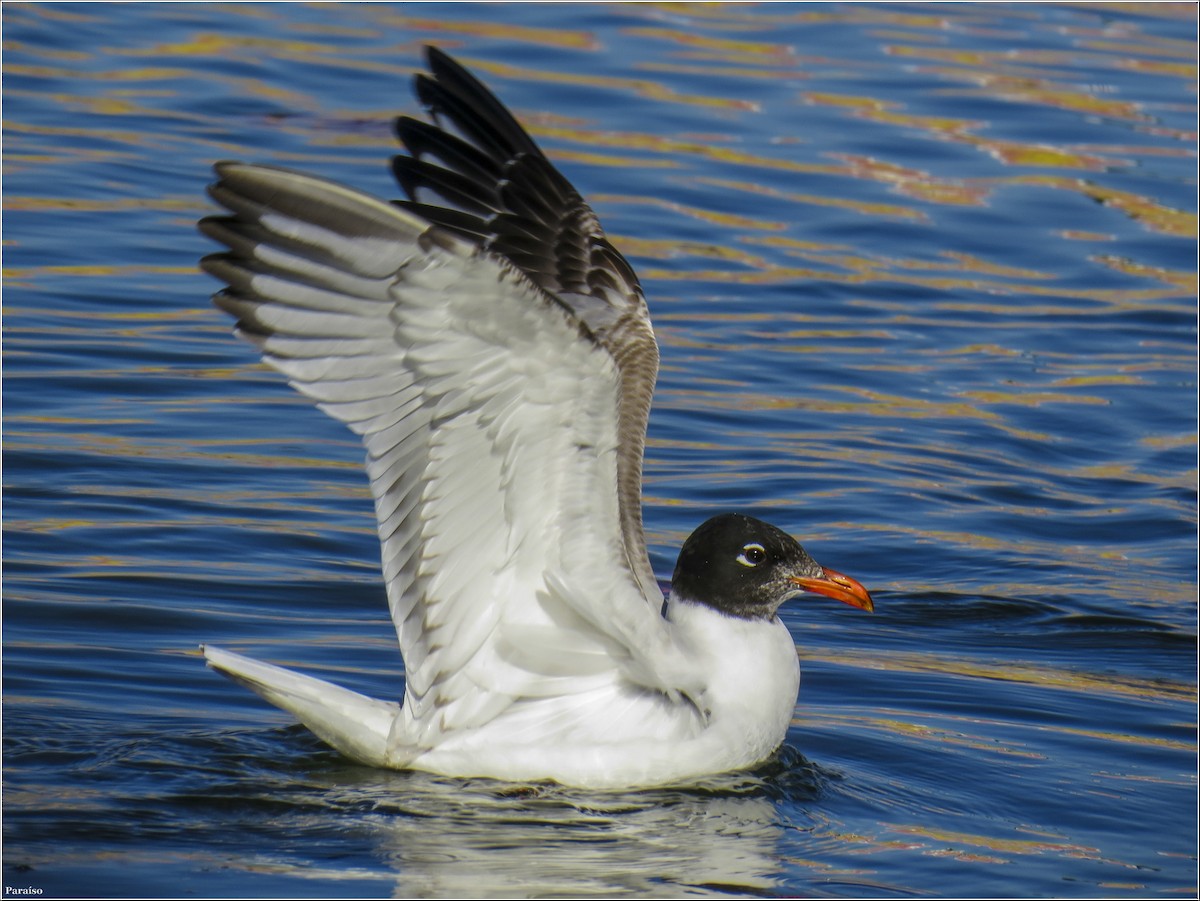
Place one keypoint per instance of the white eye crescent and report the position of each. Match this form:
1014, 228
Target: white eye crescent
752, 555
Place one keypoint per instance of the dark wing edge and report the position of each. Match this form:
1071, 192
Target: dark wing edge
478, 174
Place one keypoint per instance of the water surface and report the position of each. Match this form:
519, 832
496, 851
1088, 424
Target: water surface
924, 281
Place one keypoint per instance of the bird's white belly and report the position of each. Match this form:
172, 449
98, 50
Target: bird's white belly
592, 734
620, 735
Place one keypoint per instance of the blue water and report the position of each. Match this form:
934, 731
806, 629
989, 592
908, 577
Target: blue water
924, 280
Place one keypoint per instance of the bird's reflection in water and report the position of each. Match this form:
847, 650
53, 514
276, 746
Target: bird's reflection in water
479, 838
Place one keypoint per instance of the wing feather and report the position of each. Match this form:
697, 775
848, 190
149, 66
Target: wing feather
492, 423
496, 188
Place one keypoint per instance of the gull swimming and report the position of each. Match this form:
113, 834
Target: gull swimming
495, 354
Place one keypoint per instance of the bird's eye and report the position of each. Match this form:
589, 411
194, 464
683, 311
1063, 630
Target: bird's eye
752, 555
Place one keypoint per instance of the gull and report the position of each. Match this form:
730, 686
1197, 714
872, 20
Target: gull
494, 352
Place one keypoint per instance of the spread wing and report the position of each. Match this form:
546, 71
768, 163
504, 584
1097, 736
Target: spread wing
493, 186
496, 358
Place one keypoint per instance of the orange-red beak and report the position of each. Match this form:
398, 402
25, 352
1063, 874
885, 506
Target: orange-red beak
839, 587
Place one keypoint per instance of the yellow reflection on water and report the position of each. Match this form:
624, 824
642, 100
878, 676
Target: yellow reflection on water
1094, 684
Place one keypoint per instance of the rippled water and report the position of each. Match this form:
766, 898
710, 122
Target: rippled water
924, 281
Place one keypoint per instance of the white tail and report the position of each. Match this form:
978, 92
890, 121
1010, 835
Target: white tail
356, 725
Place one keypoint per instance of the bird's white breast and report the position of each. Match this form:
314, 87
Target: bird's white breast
752, 678
621, 735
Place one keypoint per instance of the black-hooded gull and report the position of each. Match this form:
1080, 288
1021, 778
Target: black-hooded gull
495, 354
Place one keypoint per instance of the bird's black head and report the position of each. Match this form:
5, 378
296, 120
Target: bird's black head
746, 568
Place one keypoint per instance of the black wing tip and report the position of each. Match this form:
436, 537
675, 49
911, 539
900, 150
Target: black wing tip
438, 59
443, 69
406, 127
214, 226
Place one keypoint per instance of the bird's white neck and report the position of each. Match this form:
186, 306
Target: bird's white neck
751, 671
